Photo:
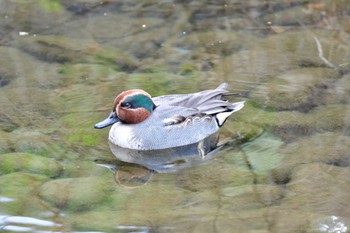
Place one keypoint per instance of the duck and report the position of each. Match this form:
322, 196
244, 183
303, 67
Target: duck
142, 122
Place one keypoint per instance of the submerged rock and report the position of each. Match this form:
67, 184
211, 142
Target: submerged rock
329, 118
229, 175
245, 70
7, 123
285, 220
261, 195
37, 142
56, 48
299, 89
17, 72
8, 70
79, 7
306, 189
6, 140
340, 91
65, 49
30, 163
77, 194
293, 16
328, 148
84, 73
140, 204
21, 189
213, 42
24, 16
290, 125
315, 192
261, 156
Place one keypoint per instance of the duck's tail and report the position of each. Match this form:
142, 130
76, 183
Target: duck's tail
222, 116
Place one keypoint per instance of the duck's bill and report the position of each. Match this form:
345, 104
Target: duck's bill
110, 120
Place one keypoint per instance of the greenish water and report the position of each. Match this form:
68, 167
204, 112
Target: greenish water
285, 167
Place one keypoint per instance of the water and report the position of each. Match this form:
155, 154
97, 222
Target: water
284, 166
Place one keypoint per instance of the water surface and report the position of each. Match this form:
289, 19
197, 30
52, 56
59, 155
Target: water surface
285, 164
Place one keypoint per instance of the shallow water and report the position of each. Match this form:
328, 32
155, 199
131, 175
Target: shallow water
285, 163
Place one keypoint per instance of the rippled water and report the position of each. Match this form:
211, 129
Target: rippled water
284, 166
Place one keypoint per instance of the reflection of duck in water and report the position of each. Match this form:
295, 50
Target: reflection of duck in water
143, 123
129, 174
170, 159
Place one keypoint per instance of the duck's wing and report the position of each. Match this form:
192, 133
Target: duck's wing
215, 112
193, 100
200, 104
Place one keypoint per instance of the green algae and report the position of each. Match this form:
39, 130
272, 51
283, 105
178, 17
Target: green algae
51, 5
188, 69
83, 137
81, 132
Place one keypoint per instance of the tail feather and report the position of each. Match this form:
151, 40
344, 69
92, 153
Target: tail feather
222, 116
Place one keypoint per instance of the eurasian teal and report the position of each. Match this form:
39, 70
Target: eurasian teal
141, 122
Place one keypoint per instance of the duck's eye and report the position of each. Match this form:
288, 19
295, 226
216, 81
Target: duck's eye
126, 105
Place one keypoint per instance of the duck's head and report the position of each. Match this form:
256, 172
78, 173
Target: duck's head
130, 107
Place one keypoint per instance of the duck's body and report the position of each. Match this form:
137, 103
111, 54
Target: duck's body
144, 123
